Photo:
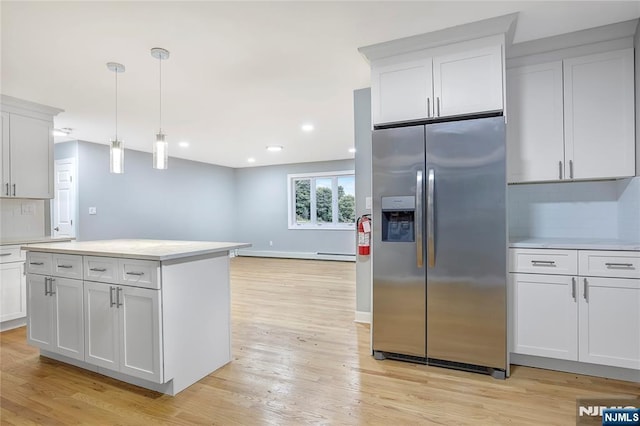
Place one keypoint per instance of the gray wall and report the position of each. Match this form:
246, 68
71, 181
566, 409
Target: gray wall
188, 201
262, 211
636, 42
362, 119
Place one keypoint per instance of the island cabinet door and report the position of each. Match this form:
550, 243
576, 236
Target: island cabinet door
101, 325
40, 309
68, 318
141, 333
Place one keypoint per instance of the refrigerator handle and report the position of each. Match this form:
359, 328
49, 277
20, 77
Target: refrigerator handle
418, 222
431, 249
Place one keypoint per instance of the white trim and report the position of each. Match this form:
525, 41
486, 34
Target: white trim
297, 255
575, 367
14, 323
363, 317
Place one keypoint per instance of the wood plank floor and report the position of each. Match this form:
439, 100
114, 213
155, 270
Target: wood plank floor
298, 358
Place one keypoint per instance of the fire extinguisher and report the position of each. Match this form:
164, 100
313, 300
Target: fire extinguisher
364, 235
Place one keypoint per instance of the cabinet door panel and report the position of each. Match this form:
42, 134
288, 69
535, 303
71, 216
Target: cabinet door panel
31, 157
400, 91
101, 326
468, 82
545, 316
5, 172
13, 302
610, 321
599, 114
535, 138
141, 339
68, 317
40, 318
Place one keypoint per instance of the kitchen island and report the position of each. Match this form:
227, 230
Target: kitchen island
153, 313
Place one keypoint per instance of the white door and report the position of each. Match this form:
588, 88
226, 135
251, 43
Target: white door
68, 317
5, 170
31, 157
401, 92
599, 114
545, 315
535, 129
468, 82
64, 203
40, 308
610, 321
13, 302
101, 325
141, 341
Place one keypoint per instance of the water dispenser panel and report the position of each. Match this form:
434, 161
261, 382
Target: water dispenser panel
398, 216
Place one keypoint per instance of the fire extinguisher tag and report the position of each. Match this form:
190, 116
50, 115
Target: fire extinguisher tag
366, 226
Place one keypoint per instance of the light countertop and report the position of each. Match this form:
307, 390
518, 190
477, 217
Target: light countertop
33, 240
575, 244
138, 249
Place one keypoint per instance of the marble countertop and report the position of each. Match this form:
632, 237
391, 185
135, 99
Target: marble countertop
33, 240
138, 249
575, 243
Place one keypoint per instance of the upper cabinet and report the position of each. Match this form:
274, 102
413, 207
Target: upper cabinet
572, 119
463, 82
27, 149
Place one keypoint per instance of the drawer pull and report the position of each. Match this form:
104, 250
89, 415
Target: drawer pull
98, 269
138, 274
36, 263
573, 288
5, 254
65, 266
619, 265
543, 263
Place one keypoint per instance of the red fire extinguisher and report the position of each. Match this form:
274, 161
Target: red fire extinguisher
364, 235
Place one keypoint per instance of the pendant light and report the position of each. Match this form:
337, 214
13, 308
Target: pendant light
160, 147
116, 152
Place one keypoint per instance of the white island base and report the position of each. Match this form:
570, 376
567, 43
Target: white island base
160, 322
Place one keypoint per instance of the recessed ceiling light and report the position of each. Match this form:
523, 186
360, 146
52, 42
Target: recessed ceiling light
251, 160
308, 127
183, 144
274, 148
352, 150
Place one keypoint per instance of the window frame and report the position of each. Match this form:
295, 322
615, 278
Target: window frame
313, 224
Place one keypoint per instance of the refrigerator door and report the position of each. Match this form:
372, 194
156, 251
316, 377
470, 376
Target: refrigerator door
399, 293
466, 242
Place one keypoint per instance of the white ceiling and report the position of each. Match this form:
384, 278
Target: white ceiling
242, 75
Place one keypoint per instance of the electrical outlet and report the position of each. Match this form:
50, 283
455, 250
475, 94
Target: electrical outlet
93, 210
367, 203
28, 209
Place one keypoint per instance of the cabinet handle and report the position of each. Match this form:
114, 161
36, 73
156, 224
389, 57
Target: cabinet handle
5, 254
36, 263
6, 192
543, 263
573, 288
570, 169
428, 107
118, 292
65, 266
438, 101
138, 274
111, 297
14, 189
46, 289
98, 269
585, 294
560, 169
619, 265
51, 292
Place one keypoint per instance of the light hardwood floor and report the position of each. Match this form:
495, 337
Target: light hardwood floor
298, 358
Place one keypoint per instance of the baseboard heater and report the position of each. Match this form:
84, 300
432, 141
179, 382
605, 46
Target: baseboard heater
319, 253
472, 368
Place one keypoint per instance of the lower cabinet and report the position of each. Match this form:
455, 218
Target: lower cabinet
55, 322
12, 291
123, 329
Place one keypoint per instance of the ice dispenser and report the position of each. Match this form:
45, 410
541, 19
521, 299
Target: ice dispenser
398, 215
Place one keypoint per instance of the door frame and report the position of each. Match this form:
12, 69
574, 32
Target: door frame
74, 195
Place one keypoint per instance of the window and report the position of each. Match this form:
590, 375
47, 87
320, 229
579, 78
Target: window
322, 200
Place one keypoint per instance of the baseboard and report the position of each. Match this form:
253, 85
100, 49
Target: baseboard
363, 317
576, 367
14, 323
297, 255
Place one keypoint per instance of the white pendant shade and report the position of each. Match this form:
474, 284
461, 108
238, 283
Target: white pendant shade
160, 153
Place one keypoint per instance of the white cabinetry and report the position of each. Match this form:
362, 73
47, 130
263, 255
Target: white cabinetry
572, 119
464, 82
13, 301
27, 149
588, 314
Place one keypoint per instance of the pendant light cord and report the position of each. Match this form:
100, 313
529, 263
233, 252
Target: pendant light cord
160, 93
116, 73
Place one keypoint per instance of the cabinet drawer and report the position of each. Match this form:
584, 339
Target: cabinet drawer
616, 264
67, 265
39, 263
102, 269
11, 254
139, 273
543, 261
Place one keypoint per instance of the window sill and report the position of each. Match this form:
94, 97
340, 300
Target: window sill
322, 228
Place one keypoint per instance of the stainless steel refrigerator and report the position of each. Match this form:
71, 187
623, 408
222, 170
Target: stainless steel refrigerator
439, 244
